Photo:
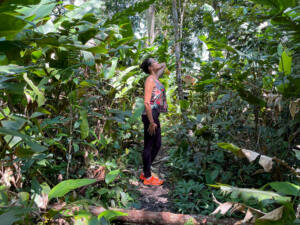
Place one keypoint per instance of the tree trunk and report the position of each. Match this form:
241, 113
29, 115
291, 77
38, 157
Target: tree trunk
165, 218
151, 24
177, 49
182, 9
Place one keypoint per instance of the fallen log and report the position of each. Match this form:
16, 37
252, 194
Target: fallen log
166, 218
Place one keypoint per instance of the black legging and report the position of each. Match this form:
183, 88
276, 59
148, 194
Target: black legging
152, 143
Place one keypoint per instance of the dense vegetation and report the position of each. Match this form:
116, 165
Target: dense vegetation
71, 96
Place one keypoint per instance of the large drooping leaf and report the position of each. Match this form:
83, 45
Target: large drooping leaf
231, 147
11, 27
10, 5
40, 95
36, 147
88, 58
11, 69
249, 97
112, 69
285, 64
84, 125
123, 76
13, 215
130, 11
246, 193
111, 214
43, 9
277, 4
68, 185
138, 109
286, 188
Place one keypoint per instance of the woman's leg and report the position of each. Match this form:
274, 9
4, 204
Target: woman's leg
148, 146
157, 140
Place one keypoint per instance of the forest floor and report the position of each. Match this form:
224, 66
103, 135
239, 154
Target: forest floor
155, 198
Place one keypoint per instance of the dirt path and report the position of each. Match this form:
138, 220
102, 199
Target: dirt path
155, 198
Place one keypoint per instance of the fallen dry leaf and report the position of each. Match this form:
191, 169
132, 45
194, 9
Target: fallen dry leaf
274, 215
266, 162
223, 208
250, 155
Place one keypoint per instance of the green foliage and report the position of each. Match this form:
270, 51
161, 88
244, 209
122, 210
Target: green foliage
246, 194
68, 185
286, 188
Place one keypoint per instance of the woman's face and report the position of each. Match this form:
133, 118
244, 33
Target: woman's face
155, 66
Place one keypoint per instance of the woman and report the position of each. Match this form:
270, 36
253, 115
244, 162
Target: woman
155, 103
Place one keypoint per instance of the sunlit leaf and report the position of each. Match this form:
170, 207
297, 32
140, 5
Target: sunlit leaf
68, 185
285, 64
111, 176
245, 194
286, 188
41, 98
84, 125
112, 69
111, 214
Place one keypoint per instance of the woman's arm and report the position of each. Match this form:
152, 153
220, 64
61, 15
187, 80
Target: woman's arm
149, 85
161, 70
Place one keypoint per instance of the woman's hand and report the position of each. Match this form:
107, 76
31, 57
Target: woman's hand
152, 128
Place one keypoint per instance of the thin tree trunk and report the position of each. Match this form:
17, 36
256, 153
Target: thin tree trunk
151, 24
182, 9
177, 49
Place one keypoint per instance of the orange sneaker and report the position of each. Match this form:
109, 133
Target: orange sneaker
153, 181
142, 176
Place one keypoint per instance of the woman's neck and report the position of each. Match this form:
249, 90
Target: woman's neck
154, 75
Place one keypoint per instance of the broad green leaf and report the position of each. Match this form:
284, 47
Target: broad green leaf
68, 185
3, 196
297, 153
98, 50
130, 11
111, 176
245, 194
47, 28
210, 176
88, 58
13, 215
230, 147
85, 218
34, 145
111, 214
11, 27
24, 197
41, 98
184, 104
84, 125
43, 9
6, 112
11, 69
37, 54
285, 64
286, 188
13, 124
138, 110
112, 70
249, 97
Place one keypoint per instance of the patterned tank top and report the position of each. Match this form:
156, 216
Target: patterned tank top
158, 98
